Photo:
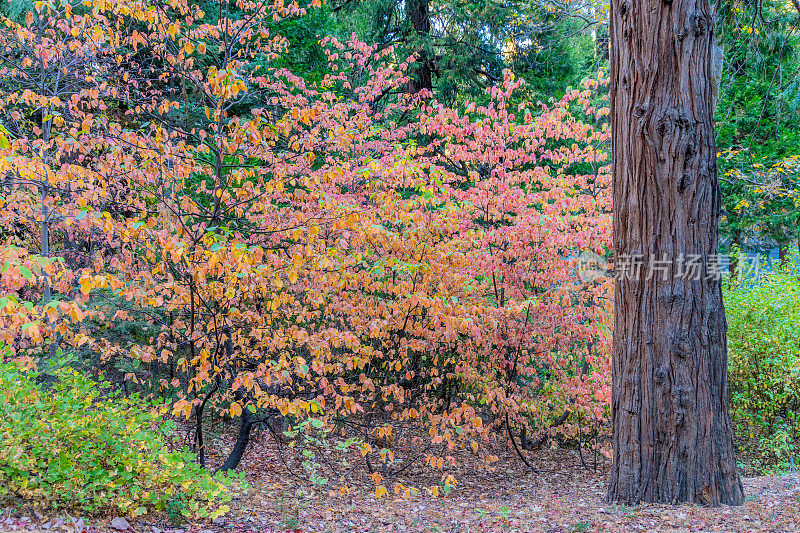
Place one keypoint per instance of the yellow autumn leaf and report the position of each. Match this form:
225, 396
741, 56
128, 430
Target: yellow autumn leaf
86, 285
380, 491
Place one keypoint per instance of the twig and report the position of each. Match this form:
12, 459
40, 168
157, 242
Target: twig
514, 442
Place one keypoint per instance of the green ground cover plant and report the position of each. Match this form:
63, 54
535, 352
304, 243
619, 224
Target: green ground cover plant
70, 444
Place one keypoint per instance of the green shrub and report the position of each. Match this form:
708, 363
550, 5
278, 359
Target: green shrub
68, 445
764, 366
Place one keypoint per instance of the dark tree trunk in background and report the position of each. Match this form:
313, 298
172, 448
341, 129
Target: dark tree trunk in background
602, 50
419, 17
673, 438
736, 240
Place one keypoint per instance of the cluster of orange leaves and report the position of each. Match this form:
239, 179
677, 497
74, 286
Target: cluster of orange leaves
312, 255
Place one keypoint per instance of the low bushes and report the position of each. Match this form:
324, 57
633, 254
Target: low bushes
65, 444
764, 366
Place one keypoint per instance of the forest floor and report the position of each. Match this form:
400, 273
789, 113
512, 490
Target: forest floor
507, 497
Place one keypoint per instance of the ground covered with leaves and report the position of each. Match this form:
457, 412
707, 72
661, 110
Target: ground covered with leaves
562, 496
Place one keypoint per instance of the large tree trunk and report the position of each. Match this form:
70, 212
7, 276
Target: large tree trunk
673, 439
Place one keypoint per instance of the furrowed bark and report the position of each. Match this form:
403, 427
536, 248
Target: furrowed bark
673, 437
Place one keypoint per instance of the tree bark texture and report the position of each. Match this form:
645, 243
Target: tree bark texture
672, 430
